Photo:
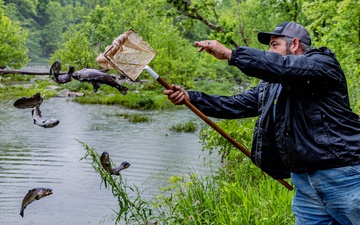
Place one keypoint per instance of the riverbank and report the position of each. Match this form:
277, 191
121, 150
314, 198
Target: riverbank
142, 95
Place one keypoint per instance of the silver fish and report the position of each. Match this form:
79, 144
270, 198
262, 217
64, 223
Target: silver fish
40, 121
31, 102
97, 78
106, 164
32, 195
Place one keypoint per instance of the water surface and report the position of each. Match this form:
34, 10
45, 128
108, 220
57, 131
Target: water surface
31, 156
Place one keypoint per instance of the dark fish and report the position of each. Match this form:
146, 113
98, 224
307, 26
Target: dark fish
66, 77
55, 73
55, 70
106, 164
32, 195
123, 165
31, 102
97, 78
40, 121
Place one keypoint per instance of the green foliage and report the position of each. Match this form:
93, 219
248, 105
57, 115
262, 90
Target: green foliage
12, 45
214, 200
134, 118
140, 101
357, 108
335, 24
188, 127
21, 87
240, 130
76, 51
210, 199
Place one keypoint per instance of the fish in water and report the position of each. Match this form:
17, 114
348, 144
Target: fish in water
31, 102
55, 73
32, 195
106, 164
97, 78
40, 121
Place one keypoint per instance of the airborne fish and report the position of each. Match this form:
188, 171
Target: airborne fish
93, 76
97, 78
55, 73
24, 102
32, 195
123, 165
106, 164
40, 121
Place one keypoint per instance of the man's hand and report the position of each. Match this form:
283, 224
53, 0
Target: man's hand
177, 95
214, 48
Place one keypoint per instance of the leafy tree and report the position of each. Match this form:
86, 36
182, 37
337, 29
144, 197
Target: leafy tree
75, 50
24, 12
13, 52
335, 24
59, 19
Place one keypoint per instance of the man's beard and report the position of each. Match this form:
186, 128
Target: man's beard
288, 52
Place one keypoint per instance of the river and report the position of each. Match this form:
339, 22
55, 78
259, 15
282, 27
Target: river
31, 156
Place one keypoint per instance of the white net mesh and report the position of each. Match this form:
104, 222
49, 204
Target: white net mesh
128, 54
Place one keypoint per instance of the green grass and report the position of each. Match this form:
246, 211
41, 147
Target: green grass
135, 118
13, 89
148, 96
188, 127
248, 197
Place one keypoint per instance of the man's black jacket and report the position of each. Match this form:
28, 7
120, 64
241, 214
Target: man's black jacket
312, 126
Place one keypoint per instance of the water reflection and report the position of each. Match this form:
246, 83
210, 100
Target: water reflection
31, 156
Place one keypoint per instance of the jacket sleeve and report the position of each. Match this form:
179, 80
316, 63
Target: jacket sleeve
227, 107
316, 70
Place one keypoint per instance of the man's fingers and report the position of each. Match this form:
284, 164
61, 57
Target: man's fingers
204, 45
177, 97
201, 49
179, 100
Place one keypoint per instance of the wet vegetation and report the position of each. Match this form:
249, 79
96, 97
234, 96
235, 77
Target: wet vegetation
188, 127
135, 118
250, 198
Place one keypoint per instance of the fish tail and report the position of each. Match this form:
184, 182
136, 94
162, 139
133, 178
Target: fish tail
96, 86
123, 90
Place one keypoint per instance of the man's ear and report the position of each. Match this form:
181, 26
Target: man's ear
296, 47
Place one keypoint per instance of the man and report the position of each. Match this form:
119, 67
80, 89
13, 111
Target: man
305, 129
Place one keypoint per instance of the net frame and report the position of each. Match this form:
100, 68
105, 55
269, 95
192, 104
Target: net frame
128, 55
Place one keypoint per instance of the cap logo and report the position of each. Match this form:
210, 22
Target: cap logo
277, 28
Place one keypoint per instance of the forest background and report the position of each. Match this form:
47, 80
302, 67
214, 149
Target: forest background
76, 32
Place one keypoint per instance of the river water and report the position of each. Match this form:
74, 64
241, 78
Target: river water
31, 156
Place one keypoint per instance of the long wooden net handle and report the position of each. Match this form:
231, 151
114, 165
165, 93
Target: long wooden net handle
211, 123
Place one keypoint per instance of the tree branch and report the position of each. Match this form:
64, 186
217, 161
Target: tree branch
188, 10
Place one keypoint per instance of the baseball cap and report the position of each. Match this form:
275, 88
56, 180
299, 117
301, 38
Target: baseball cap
286, 29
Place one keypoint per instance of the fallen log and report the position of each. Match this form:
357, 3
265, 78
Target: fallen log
25, 72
